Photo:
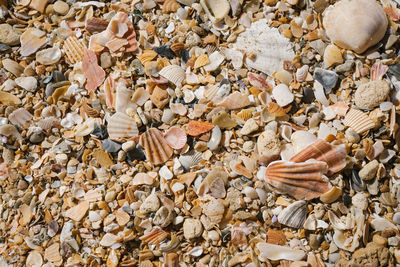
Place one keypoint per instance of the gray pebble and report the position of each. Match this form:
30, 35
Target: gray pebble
327, 78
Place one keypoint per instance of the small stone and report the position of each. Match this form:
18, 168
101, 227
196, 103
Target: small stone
77, 212
352, 136
110, 146
22, 184
314, 241
27, 83
308, 95
128, 145
105, 60
332, 56
36, 138
360, 201
150, 204
394, 241
319, 46
121, 156
8, 35
396, 218
100, 131
371, 94
192, 228
135, 154
391, 41
345, 67
165, 51
282, 95
249, 127
284, 76
327, 78
159, 97
379, 240
368, 172
61, 7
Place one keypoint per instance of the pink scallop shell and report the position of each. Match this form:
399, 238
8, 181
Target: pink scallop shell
176, 137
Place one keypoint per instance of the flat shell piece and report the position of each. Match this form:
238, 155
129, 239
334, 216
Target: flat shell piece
103, 158
174, 74
358, 120
157, 149
234, 101
94, 74
195, 128
31, 40
9, 99
77, 212
73, 49
276, 252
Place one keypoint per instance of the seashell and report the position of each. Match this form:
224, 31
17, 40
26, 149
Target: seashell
378, 70
244, 115
343, 241
34, 259
270, 56
277, 110
332, 195
268, 146
321, 150
89, 111
19, 117
163, 217
216, 9
234, 101
142, 178
123, 98
299, 180
216, 59
276, 252
177, 47
121, 125
294, 215
77, 212
27, 83
73, 49
392, 12
128, 263
235, 56
9, 99
258, 81
213, 208
154, 237
301, 140
48, 123
196, 128
358, 121
31, 40
9, 130
157, 149
171, 259
282, 95
175, 137
147, 56
201, 61
174, 74
357, 184
13, 67
172, 245
286, 132
179, 109
358, 31
48, 56
190, 159
340, 108
170, 6
301, 74
215, 138
52, 253
94, 25
140, 96
94, 74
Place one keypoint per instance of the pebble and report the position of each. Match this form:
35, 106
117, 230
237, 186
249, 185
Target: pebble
314, 241
105, 60
360, 201
284, 77
110, 146
332, 56
150, 204
61, 7
352, 136
110, 196
213, 235
268, 144
308, 95
345, 67
8, 35
327, 78
128, 145
394, 241
192, 228
282, 95
27, 83
36, 138
371, 94
396, 218
249, 127
391, 41
368, 172
379, 240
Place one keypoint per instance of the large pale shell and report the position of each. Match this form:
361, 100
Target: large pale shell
176, 137
9, 99
358, 120
270, 48
216, 9
276, 252
157, 149
174, 74
355, 24
48, 56
121, 125
294, 215
31, 40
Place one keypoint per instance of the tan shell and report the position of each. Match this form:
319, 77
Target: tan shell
234, 101
170, 6
19, 117
216, 9
73, 49
147, 56
174, 74
201, 61
9, 99
77, 212
358, 120
31, 40
52, 254
355, 24
121, 125
157, 149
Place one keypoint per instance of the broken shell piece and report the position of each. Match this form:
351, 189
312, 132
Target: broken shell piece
216, 9
121, 125
299, 180
215, 59
31, 40
155, 237
294, 215
378, 70
27, 83
195, 128
332, 195
190, 159
170, 6
147, 56
174, 74
201, 61
301, 140
157, 149
9, 99
268, 146
282, 95
19, 117
276, 252
234, 101
73, 49
48, 56
358, 121
176, 137
9, 130
277, 110
77, 212
94, 74
215, 139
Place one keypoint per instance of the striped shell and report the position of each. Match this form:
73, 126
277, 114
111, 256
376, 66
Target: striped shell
48, 123
277, 110
378, 70
321, 150
358, 120
174, 74
299, 180
121, 125
244, 114
176, 137
147, 56
190, 159
73, 49
19, 117
154, 237
294, 215
157, 149
201, 61
170, 6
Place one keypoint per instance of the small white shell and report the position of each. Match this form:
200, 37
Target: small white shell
216, 59
215, 139
121, 125
190, 159
174, 74
276, 252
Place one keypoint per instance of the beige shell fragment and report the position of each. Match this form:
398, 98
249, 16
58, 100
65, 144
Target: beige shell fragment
216, 9
19, 117
73, 49
9, 99
276, 252
31, 40
234, 101
174, 74
121, 125
358, 120
52, 254
77, 212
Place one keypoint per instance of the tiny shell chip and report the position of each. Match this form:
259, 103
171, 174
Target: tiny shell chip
73, 49
359, 121
174, 74
195, 128
94, 74
157, 149
121, 125
19, 117
176, 137
258, 81
9, 99
31, 40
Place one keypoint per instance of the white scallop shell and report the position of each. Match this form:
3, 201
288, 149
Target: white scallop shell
121, 125
358, 120
174, 74
190, 159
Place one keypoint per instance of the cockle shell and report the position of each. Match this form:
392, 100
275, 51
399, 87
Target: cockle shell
147, 56
355, 24
321, 150
358, 120
121, 125
155, 236
270, 48
276, 252
19, 117
176, 137
294, 215
170, 6
94, 74
157, 149
190, 159
73, 49
300, 180
174, 74
216, 9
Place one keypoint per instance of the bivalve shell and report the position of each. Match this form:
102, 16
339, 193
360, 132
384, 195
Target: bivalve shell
157, 149
174, 74
358, 121
121, 125
176, 137
73, 49
216, 9
19, 117
294, 215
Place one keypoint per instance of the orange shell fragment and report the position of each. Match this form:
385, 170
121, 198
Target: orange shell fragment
195, 128
94, 74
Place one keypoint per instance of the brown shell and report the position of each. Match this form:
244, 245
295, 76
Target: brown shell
157, 149
277, 110
299, 180
170, 6
201, 61
156, 236
73, 49
9, 99
195, 128
176, 47
321, 150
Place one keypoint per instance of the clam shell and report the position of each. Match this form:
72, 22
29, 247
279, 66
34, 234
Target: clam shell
19, 117
157, 149
201, 61
174, 74
147, 56
52, 254
276, 252
121, 125
299, 180
48, 123
155, 237
190, 159
13, 67
234, 101
321, 150
73, 49
358, 121
216, 9
294, 215
176, 137
9, 99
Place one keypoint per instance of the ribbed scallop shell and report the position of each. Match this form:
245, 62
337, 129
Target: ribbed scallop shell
48, 123
244, 114
299, 180
170, 6
358, 120
176, 137
147, 56
19, 117
157, 149
155, 237
294, 215
174, 74
176, 47
321, 150
190, 159
73, 49
121, 125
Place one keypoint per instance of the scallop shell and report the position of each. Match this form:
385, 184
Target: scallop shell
121, 125
378, 70
176, 47
358, 121
216, 9
48, 123
190, 159
244, 114
196, 128
170, 6
9, 99
270, 48
234, 101
155, 237
301, 73
355, 30
147, 56
157, 149
299, 180
277, 110
294, 215
73, 49
174, 74
19, 117
321, 150
176, 137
